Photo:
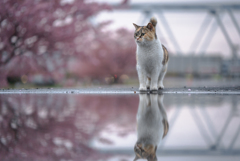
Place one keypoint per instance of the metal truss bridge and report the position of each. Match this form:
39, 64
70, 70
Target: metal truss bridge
215, 12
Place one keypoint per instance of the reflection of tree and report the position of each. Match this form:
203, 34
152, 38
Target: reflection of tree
40, 127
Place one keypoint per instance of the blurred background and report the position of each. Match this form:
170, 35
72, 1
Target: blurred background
73, 43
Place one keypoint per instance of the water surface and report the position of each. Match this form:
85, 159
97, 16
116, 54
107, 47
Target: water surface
104, 127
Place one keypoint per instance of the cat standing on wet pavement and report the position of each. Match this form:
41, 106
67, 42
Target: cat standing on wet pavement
152, 57
152, 126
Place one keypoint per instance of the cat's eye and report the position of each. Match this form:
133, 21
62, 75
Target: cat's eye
142, 34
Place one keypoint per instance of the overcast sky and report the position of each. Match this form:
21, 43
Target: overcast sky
184, 25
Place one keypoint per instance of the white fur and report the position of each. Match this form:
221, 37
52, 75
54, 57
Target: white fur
150, 118
149, 64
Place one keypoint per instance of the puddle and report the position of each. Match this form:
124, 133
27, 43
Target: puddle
107, 127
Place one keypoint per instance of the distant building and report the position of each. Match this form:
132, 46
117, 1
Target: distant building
203, 66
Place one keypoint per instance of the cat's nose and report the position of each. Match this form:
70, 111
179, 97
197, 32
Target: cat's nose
138, 38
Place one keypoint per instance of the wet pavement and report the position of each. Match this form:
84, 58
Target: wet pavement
98, 124
126, 90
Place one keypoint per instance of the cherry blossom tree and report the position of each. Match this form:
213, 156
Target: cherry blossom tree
33, 31
42, 26
53, 38
111, 54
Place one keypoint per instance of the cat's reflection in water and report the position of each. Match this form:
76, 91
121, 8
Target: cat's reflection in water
152, 126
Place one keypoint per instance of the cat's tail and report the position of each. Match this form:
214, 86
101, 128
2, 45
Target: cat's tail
153, 20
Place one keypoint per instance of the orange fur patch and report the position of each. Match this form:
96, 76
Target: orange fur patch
148, 34
166, 127
148, 152
165, 55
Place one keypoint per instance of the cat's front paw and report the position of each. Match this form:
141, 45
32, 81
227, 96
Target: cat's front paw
160, 87
153, 89
142, 89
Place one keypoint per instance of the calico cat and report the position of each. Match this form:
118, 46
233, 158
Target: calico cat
152, 57
152, 126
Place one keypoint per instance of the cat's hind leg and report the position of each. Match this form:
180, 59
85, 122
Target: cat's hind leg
148, 82
161, 76
154, 81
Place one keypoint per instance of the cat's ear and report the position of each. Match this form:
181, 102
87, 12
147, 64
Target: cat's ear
136, 158
150, 26
152, 159
136, 26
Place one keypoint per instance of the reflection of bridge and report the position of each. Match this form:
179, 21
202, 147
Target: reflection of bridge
212, 135
213, 140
